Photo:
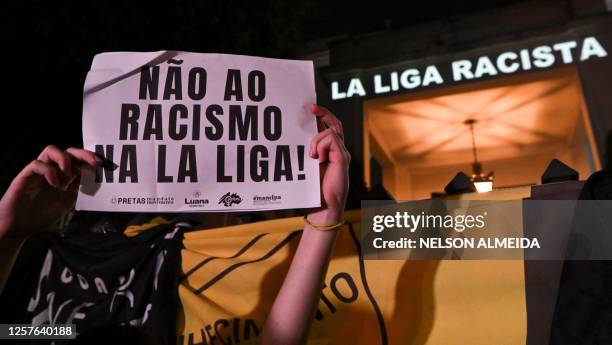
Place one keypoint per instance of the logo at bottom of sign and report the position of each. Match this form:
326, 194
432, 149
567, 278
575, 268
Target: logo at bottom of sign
230, 199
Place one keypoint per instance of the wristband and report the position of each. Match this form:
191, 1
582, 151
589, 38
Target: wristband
322, 227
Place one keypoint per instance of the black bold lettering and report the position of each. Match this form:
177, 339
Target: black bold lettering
259, 168
327, 302
333, 284
233, 85
180, 132
153, 125
221, 177
282, 164
211, 337
128, 166
273, 123
219, 332
240, 163
249, 325
187, 164
161, 165
149, 82
257, 86
215, 132
191, 340
129, 121
195, 130
196, 88
107, 155
236, 328
173, 86
243, 123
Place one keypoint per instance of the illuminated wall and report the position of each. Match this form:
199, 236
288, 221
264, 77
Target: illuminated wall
524, 122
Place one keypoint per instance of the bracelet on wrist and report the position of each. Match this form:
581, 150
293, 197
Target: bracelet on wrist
324, 227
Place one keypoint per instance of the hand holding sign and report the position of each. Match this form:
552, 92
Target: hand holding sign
44, 190
328, 147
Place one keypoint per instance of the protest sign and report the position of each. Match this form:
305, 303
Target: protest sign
188, 132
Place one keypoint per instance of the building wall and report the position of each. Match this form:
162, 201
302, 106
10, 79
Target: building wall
544, 22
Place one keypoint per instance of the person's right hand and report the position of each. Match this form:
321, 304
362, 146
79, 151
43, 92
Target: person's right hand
44, 191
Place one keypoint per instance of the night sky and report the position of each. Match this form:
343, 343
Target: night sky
48, 46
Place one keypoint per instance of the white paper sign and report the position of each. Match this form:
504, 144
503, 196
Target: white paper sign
189, 132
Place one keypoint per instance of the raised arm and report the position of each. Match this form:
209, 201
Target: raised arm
293, 309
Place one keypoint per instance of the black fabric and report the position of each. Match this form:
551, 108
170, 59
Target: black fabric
109, 285
583, 313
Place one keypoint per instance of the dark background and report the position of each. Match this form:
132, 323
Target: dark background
48, 46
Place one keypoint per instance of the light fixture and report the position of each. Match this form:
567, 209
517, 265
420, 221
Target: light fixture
482, 182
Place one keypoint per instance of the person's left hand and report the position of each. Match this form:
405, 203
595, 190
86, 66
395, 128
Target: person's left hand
44, 190
328, 147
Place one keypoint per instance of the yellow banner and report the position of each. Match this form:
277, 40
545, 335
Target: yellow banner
232, 274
